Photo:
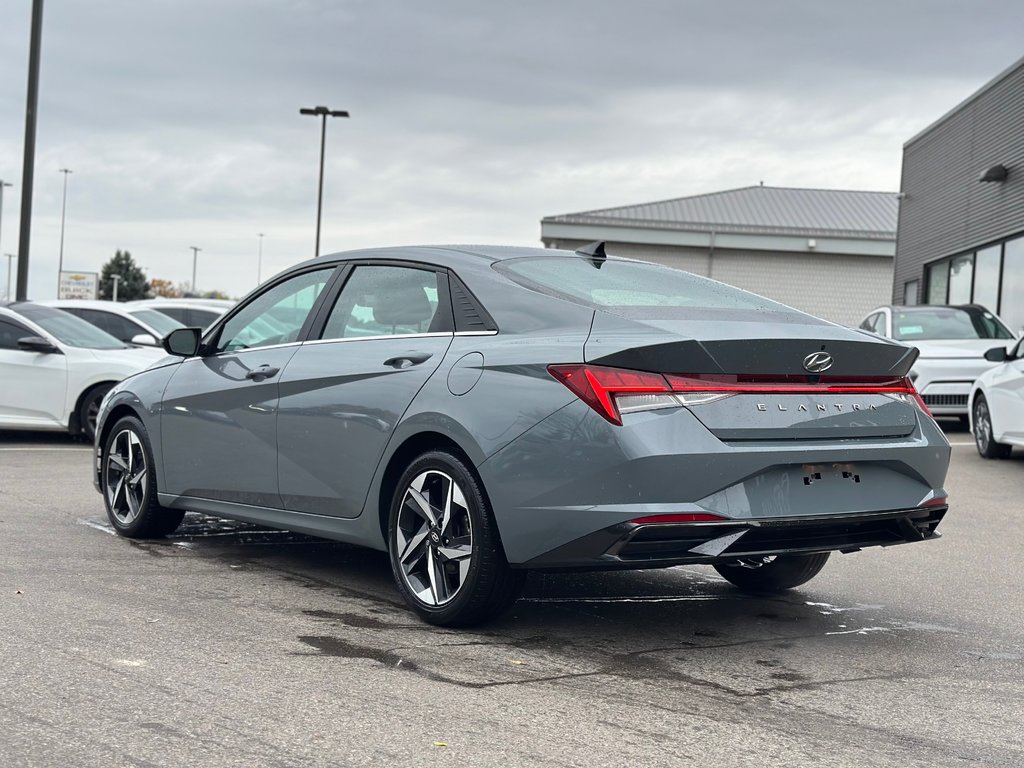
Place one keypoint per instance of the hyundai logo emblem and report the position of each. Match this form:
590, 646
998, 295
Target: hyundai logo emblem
818, 362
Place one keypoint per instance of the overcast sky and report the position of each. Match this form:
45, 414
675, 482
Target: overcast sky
470, 120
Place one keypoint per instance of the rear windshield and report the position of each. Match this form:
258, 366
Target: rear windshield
947, 323
630, 284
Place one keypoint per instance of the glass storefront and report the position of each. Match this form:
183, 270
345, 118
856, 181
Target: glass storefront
1011, 305
992, 277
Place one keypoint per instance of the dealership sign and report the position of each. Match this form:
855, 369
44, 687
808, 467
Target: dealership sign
78, 285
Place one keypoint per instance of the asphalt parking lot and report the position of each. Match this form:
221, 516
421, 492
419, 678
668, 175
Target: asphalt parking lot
229, 646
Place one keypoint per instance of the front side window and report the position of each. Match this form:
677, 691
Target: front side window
384, 301
10, 333
158, 321
117, 326
275, 316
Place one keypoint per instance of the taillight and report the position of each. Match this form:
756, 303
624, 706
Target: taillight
615, 391
689, 517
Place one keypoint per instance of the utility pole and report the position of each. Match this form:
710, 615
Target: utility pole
116, 279
63, 211
29, 162
195, 255
323, 113
10, 258
259, 261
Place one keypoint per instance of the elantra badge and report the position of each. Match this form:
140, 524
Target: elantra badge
818, 362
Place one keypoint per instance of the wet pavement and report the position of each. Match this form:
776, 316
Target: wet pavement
227, 644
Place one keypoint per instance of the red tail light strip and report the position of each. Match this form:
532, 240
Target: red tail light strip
598, 385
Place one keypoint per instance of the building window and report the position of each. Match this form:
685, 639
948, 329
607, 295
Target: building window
1012, 306
987, 265
938, 282
961, 277
910, 292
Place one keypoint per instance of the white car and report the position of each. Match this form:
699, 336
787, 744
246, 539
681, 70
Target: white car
952, 340
192, 313
130, 324
55, 368
997, 404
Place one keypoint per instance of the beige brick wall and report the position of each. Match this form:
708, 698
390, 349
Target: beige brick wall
840, 288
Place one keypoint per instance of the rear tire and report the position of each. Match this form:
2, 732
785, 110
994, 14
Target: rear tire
983, 433
128, 483
782, 573
445, 551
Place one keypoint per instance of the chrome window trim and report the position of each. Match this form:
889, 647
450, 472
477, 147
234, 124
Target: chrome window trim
476, 333
243, 351
442, 334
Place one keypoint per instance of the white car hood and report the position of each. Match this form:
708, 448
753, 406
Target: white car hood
958, 348
131, 360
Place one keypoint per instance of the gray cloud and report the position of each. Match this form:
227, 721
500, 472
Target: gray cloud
470, 120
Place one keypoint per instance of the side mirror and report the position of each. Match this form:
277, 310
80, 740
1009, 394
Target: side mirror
37, 344
183, 342
996, 354
145, 340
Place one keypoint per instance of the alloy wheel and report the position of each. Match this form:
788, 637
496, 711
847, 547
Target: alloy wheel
434, 538
982, 425
126, 476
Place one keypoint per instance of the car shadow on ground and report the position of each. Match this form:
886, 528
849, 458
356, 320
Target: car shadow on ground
653, 624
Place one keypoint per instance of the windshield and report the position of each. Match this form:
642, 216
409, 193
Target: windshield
947, 323
158, 321
67, 328
630, 284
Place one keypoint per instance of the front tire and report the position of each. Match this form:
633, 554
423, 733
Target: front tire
983, 434
128, 482
779, 574
445, 550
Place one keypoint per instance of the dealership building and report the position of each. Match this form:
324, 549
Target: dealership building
825, 251
961, 226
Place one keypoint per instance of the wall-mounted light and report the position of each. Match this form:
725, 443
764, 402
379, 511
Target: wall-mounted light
995, 173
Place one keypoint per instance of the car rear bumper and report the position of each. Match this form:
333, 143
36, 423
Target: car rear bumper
631, 545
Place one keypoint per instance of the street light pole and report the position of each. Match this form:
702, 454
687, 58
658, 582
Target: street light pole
323, 113
2, 185
116, 279
195, 254
10, 258
29, 161
259, 260
63, 211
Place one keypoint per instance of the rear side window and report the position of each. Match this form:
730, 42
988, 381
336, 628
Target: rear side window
629, 284
384, 301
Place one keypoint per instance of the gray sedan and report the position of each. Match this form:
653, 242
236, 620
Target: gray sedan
478, 412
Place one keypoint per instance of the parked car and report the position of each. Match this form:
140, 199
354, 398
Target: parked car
194, 313
952, 341
481, 411
55, 368
132, 325
997, 403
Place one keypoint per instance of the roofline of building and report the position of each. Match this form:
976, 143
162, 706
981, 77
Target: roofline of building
977, 94
717, 193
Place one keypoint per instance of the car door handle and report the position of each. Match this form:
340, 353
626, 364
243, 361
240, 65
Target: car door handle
408, 360
263, 372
